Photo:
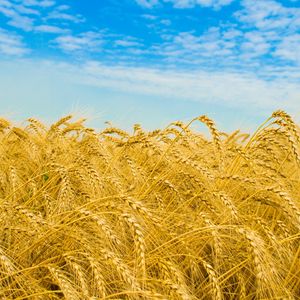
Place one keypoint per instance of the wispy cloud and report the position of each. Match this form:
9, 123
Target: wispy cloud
17, 15
87, 41
41, 3
22, 22
289, 48
149, 17
209, 48
60, 13
210, 87
198, 86
216, 4
261, 33
269, 15
254, 45
50, 29
56, 15
205, 3
147, 3
11, 44
276, 28
128, 41
63, 7
29, 13
26, 10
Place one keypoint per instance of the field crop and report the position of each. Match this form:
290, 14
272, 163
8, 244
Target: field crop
167, 214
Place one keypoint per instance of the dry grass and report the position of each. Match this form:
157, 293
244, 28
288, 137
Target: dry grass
166, 214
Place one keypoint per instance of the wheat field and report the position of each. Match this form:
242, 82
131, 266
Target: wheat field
166, 214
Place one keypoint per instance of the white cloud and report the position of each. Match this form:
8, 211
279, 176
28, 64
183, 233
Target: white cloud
232, 33
216, 4
254, 44
22, 22
16, 19
261, 28
188, 47
50, 29
60, 13
147, 3
289, 48
149, 17
166, 22
5, 3
62, 16
63, 7
276, 29
92, 84
200, 86
87, 41
11, 44
43, 3
24, 14
264, 28
205, 3
227, 88
127, 41
269, 14
26, 10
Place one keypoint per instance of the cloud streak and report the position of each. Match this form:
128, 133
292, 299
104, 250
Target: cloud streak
86, 41
235, 91
199, 86
11, 44
216, 4
33, 15
50, 29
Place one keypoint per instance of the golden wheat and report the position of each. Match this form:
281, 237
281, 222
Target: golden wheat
166, 214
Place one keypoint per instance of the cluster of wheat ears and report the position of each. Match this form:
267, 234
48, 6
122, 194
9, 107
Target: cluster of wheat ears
167, 214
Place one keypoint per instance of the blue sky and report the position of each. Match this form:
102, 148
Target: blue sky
150, 61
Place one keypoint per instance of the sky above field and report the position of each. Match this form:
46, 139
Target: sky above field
150, 61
